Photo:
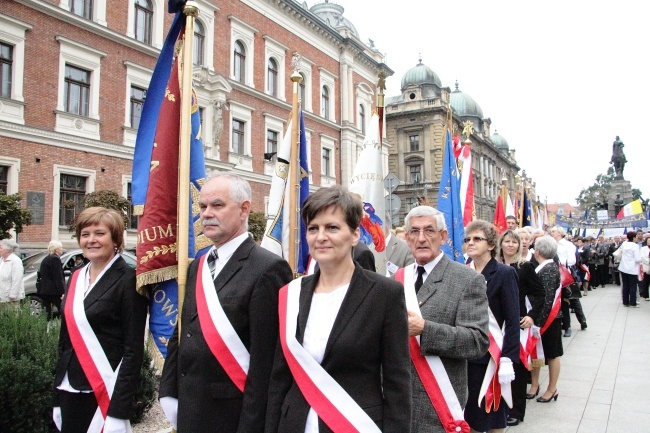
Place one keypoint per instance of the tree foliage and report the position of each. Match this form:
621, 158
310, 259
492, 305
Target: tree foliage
257, 224
592, 196
12, 216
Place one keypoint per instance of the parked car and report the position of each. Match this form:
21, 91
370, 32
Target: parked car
32, 264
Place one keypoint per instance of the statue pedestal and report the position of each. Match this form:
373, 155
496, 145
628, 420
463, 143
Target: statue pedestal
622, 187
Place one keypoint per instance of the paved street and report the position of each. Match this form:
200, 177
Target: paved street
604, 384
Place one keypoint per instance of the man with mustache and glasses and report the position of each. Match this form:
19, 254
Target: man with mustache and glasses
216, 380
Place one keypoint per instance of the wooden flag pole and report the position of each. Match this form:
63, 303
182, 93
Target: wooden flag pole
294, 173
191, 11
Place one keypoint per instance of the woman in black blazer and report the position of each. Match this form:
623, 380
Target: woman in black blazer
531, 289
351, 321
102, 330
503, 300
51, 279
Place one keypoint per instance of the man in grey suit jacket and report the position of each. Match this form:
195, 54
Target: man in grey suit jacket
196, 391
454, 307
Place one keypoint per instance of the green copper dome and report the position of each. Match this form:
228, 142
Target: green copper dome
499, 142
464, 105
418, 75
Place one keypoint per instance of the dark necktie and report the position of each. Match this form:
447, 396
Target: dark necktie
212, 260
420, 280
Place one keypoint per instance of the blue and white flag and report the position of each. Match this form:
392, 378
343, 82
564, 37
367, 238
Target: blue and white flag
276, 235
449, 204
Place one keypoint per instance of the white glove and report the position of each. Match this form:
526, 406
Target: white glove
506, 372
116, 425
56, 416
535, 330
170, 407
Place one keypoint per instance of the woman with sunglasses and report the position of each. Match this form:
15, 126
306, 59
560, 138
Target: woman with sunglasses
495, 369
531, 303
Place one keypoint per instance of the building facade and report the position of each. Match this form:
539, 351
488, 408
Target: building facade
416, 125
74, 80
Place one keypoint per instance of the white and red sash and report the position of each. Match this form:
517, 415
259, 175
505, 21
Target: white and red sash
526, 340
585, 269
491, 388
218, 332
89, 351
430, 369
537, 351
330, 401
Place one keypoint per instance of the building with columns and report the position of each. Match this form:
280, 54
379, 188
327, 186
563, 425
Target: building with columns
75, 74
416, 124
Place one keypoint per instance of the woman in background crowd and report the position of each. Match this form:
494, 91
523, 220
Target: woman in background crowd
11, 275
549, 273
531, 303
645, 263
51, 283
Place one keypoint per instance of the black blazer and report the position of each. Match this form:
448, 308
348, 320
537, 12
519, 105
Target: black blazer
51, 273
363, 255
208, 401
503, 298
117, 315
367, 353
530, 285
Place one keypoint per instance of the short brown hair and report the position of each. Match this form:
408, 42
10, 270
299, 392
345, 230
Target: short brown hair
337, 196
101, 215
488, 230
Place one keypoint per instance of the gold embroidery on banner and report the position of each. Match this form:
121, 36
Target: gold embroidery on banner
201, 242
157, 251
169, 95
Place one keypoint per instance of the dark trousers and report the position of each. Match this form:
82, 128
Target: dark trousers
645, 286
48, 301
518, 387
576, 305
77, 411
604, 271
628, 289
595, 276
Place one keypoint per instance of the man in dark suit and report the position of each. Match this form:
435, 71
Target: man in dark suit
454, 308
198, 389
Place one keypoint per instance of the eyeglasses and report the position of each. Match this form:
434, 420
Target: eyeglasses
429, 232
475, 239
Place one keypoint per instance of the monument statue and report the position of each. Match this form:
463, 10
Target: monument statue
618, 158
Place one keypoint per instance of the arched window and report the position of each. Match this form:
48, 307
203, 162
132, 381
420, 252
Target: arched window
240, 62
362, 118
272, 77
143, 20
199, 44
325, 103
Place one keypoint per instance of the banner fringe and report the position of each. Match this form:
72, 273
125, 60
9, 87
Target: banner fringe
154, 277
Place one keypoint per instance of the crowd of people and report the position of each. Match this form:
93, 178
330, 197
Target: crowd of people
433, 346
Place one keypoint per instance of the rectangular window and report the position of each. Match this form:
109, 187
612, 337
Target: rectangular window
77, 90
137, 102
414, 141
238, 136
4, 179
132, 223
82, 8
6, 66
271, 145
143, 21
411, 202
325, 165
72, 192
415, 172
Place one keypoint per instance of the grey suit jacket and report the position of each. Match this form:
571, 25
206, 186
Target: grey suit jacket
398, 252
453, 301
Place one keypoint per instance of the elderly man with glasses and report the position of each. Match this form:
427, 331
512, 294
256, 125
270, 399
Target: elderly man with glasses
448, 316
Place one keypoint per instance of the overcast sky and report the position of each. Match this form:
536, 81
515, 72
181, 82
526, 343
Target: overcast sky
559, 79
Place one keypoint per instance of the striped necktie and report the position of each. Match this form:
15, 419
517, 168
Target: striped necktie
212, 260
